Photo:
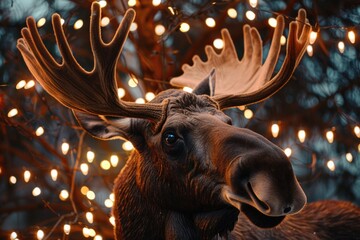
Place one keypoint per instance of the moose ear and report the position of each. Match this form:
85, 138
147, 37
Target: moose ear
206, 86
105, 128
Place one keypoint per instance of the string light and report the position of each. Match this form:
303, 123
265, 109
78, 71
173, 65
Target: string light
114, 160
27, 175
188, 89
40, 234
90, 155
140, 101
36, 191
184, 27
283, 40
171, 10
272, 22
64, 195
112, 220
275, 130
248, 114
288, 152
105, 21
12, 180
250, 15
349, 157
85, 232
39, 131
102, 3
218, 43
159, 30
54, 174
302, 135
341, 47
112, 197
29, 84
312, 37
133, 82
310, 50
210, 22
121, 93
108, 203
41, 22
65, 148
20, 84
90, 195
331, 165
62, 21
12, 113
149, 96
232, 13
89, 217
253, 3
92, 232
13, 235
330, 136
133, 26
156, 2
67, 228
98, 237
84, 167
351, 36
84, 190
132, 3
105, 164
357, 131
127, 146
78, 24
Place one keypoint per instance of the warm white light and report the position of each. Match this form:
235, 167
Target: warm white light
132, 3
248, 114
89, 217
39, 131
36, 191
349, 157
108, 203
54, 174
105, 21
250, 15
84, 167
64, 194
114, 160
184, 27
351, 36
67, 229
112, 220
242, 108
341, 46
29, 84
62, 21
288, 152
40, 234
13, 235
275, 130
171, 10
149, 96
283, 40
302, 135
90, 155
312, 38
310, 50
232, 13
20, 84
41, 22
98, 237
127, 146
133, 82
12, 113
133, 26
159, 29
253, 3
156, 2
330, 136
102, 3
90, 195
78, 24
140, 101
84, 190
27, 176
65, 148
272, 22
188, 89
105, 164
12, 179
331, 165
85, 232
210, 22
218, 43
357, 131
92, 232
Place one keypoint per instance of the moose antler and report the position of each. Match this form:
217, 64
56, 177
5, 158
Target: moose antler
248, 81
93, 92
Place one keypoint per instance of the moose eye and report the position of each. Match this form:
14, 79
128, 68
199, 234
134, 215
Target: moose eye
170, 138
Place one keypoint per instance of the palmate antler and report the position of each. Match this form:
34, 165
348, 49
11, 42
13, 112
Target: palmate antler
249, 81
94, 92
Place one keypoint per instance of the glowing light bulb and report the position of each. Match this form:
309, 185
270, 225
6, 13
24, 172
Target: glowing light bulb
351, 36
248, 114
90, 195
39, 131
92, 232
84, 167
341, 47
40, 234
85, 232
105, 164
349, 157
330, 136
13, 235
12, 113
108, 203
41, 22
84, 190
140, 101
54, 174
132, 3
98, 237
172, 11
29, 84
250, 15
27, 176
331, 165
62, 21
288, 152
210, 22
312, 37
133, 26
36, 191
310, 50
283, 40
272, 22
78, 24
302, 135
156, 2
159, 29
105, 21
112, 197
114, 160
67, 228
184, 27
112, 220
127, 146
218, 43
357, 131
133, 82
149, 96
12, 179
188, 89
275, 130
232, 13
121, 92
89, 217
253, 3
64, 195
90, 155
65, 148
20, 84
102, 3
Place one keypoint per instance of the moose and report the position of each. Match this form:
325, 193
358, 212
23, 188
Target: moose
193, 174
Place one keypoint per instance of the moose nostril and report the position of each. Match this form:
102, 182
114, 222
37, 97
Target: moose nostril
287, 209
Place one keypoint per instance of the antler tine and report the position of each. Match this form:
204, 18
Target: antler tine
94, 92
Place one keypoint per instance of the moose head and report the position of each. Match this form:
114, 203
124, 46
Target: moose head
192, 170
